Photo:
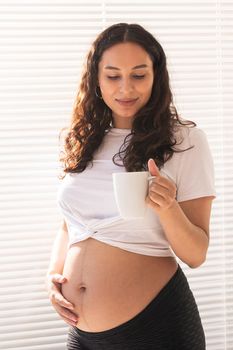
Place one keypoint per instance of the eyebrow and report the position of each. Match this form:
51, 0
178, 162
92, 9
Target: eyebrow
136, 67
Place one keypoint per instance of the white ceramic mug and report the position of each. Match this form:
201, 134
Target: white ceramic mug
130, 190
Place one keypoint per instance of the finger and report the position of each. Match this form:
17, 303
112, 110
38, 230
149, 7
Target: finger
152, 167
57, 278
162, 191
157, 199
63, 312
70, 323
163, 181
152, 204
168, 192
160, 202
58, 298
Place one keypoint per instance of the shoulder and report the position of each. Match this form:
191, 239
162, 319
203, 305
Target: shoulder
193, 164
190, 150
189, 136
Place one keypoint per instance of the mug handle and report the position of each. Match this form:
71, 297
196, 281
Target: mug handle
151, 177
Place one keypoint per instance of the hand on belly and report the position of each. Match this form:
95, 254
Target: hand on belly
74, 294
109, 286
102, 306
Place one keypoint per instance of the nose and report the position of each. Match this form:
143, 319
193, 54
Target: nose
126, 86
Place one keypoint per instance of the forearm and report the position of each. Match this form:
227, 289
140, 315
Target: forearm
188, 241
58, 253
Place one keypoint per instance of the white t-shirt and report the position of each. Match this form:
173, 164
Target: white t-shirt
87, 202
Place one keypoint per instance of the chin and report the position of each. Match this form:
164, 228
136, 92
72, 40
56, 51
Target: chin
127, 114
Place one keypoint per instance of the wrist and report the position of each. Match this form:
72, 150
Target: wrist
172, 209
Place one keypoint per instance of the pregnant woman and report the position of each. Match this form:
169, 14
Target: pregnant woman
116, 281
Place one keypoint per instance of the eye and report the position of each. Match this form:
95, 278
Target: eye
135, 76
113, 78
139, 76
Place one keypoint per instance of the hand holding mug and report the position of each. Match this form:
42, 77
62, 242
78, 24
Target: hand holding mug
162, 192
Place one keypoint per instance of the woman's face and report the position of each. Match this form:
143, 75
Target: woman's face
125, 76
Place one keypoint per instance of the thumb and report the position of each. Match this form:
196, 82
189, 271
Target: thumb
57, 278
152, 167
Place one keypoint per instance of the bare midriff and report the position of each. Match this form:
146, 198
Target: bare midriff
108, 285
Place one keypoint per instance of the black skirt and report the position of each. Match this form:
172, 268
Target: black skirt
171, 321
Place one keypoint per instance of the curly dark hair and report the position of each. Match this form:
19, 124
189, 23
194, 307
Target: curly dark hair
153, 126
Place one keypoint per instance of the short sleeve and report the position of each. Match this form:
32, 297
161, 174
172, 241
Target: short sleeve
195, 172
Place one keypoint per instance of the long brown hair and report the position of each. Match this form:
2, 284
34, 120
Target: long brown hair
152, 133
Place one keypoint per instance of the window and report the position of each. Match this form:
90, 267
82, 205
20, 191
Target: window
43, 45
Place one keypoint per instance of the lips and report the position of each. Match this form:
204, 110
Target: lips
127, 102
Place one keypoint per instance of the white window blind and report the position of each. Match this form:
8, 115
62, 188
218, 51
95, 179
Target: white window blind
42, 47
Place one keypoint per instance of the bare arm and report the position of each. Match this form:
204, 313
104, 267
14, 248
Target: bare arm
186, 226
55, 279
59, 251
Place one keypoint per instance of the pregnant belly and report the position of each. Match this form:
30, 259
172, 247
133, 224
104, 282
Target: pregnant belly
108, 285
